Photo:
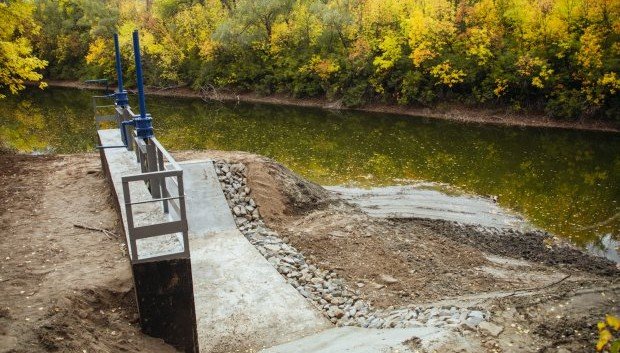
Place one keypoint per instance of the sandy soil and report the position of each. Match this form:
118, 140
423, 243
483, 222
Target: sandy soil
545, 295
63, 288
457, 112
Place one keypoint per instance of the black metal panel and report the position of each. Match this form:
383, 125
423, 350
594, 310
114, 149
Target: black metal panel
165, 297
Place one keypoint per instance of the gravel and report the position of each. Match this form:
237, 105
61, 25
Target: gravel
340, 302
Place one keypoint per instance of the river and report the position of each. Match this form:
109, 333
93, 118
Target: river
564, 181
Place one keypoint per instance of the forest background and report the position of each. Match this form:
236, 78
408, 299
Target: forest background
557, 56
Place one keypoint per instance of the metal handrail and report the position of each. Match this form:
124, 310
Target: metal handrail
101, 118
156, 200
170, 159
157, 166
157, 229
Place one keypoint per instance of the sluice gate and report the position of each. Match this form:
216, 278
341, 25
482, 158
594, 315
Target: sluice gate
199, 283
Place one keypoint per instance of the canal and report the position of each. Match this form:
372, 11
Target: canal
564, 181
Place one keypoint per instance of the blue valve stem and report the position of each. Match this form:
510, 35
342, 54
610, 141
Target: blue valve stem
120, 94
119, 68
136, 49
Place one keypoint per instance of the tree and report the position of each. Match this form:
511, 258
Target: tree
17, 64
557, 55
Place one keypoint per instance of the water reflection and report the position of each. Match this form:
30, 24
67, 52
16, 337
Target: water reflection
565, 181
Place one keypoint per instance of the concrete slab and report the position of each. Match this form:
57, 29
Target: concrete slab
210, 211
416, 202
242, 302
122, 163
361, 340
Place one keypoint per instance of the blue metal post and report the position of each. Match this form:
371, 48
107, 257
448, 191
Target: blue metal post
120, 94
144, 128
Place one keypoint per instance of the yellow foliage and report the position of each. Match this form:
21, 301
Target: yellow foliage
359, 49
605, 336
483, 13
613, 321
392, 52
534, 67
500, 87
478, 43
611, 82
383, 11
98, 53
447, 74
527, 65
422, 53
17, 63
195, 26
430, 27
590, 54
324, 68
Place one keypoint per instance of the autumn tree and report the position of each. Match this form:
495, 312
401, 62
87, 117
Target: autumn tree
561, 56
17, 63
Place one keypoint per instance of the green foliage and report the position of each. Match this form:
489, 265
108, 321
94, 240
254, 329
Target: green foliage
560, 55
68, 29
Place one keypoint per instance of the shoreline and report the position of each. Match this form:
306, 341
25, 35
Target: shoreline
452, 112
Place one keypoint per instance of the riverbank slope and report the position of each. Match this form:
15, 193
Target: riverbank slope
65, 280
532, 291
455, 112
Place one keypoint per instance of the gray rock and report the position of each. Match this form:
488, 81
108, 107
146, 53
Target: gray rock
387, 279
474, 321
490, 328
375, 323
414, 323
237, 211
453, 321
476, 313
335, 312
272, 248
410, 315
303, 292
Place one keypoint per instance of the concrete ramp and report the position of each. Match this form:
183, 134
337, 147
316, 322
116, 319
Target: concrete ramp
242, 302
362, 340
419, 202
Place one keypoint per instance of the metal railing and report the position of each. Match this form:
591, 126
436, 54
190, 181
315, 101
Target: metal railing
97, 107
160, 173
157, 167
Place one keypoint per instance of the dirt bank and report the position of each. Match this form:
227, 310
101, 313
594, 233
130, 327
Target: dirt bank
456, 112
543, 295
63, 288
68, 289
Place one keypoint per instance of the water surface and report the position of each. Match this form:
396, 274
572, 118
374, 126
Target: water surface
567, 182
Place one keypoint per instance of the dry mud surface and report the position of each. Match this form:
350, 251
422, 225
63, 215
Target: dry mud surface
63, 288
544, 295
